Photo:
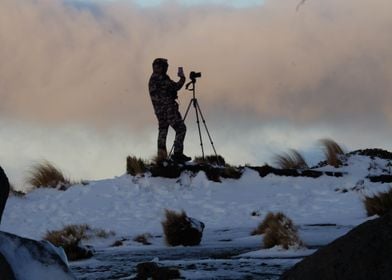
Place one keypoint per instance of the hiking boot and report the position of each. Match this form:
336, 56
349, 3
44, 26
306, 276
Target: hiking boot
162, 155
180, 157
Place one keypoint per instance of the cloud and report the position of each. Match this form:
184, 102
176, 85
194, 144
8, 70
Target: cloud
64, 63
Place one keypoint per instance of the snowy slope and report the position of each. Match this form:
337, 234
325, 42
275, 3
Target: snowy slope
134, 205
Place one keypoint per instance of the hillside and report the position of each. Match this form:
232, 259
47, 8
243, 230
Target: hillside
133, 205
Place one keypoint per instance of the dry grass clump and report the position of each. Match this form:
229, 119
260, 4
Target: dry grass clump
333, 152
378, 204
211, 159
136, 166
46, 175
179, 229
143, 238
291, 160
70, 236
278, 230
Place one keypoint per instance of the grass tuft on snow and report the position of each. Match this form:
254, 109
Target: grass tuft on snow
70, 236
136, 166
47, 175
143, 238
378, 204
291, 160
278, 230
333, 152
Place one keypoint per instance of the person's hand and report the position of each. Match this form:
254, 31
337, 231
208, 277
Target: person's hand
180, 72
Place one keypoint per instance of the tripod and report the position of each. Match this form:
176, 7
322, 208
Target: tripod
191, 87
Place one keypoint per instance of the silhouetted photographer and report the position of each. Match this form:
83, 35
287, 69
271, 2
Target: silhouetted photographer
163, 93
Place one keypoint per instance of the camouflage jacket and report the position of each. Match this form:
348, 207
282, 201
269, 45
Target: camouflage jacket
163, 91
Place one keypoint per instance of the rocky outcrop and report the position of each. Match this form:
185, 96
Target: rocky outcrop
267, 170
32, 260
362, 254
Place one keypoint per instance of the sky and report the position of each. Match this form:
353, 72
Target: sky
74, 74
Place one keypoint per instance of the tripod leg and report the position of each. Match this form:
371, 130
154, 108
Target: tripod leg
195, 104
208, 133
186, 114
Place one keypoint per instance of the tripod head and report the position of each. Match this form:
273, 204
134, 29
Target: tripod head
192, 76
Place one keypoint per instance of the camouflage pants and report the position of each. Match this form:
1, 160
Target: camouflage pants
168, 115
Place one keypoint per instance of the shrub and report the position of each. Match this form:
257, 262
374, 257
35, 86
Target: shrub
379, 204
136, 166
264, 224
45, 174
143, 238
179, 229
70, 237
333, 152
278, 230
291, 160
211, 159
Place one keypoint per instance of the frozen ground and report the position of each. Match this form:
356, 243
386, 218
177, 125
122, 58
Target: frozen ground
323, 208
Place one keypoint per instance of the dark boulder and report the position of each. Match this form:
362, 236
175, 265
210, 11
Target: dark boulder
4, 191
151, 270
6, 272
362, 254
179, 229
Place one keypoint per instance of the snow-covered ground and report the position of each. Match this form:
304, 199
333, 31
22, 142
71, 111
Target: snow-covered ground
134, 205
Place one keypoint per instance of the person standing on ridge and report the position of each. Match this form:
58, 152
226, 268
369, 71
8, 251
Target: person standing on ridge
163, 93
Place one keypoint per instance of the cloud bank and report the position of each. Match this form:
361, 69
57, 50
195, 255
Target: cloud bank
68, 63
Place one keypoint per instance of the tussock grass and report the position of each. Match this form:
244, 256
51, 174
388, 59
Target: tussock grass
211, 159
70, 236
333, 152
143, 238
291, 160
378, 204
278, 230
172, 226
47, 175
136, 166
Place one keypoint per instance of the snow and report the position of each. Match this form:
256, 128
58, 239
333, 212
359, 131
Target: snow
131, 206
278, 252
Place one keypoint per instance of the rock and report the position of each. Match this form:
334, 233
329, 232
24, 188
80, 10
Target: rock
148, 270
76, 252
180, 229
4, 191
5, 269
362, 254
33, 260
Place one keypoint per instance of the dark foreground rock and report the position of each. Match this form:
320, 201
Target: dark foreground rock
4, 190
362, 254
6, 272
29, 259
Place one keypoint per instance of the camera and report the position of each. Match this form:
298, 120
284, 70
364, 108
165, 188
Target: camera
193, 75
